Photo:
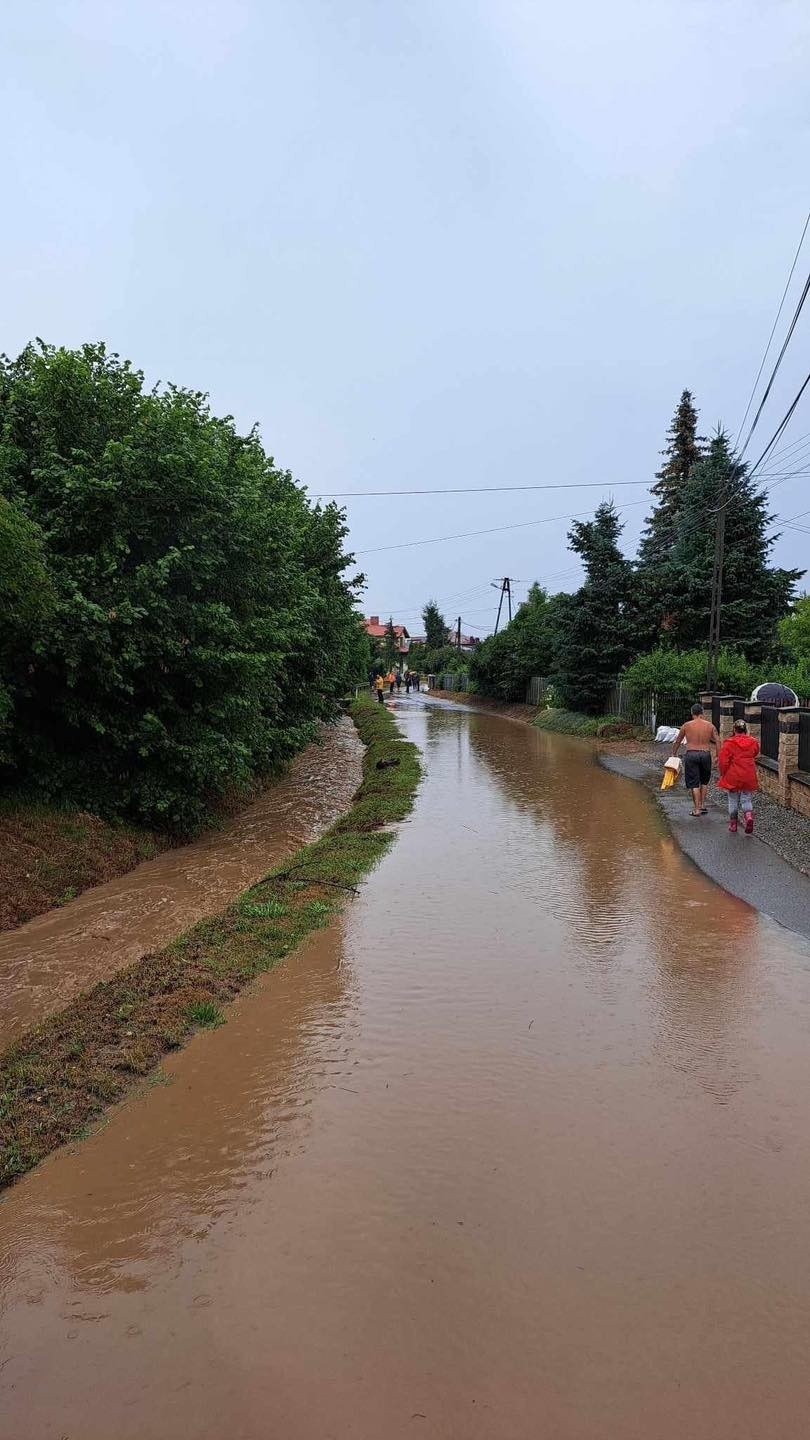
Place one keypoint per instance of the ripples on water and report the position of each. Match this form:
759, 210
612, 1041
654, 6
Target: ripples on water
517, 1150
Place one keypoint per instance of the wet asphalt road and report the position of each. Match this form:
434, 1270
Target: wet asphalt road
741, 864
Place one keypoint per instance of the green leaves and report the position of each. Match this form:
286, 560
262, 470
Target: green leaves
188, 613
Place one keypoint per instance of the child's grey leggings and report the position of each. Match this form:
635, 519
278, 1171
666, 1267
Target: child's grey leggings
735, 797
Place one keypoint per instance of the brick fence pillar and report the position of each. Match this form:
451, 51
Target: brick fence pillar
705, 697
727, 715
753, 719
788, 750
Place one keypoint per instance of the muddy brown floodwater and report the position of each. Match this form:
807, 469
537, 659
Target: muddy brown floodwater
45, 963
517, 1150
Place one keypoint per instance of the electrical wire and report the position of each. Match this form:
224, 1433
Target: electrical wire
493, 530
773, 330
475, 489
779, 358
783, 424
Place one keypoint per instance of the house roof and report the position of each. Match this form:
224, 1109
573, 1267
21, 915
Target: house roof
377, 631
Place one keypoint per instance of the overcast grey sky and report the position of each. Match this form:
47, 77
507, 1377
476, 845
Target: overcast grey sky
422, 242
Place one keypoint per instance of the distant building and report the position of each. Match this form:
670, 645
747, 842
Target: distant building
376, 633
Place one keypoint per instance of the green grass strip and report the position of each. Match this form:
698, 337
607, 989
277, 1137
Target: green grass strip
57, 1078
605, 727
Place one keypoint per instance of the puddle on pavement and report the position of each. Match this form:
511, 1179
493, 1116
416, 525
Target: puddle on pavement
518, 1149
46, 962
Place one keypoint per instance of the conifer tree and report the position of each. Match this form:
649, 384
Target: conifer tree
683, 450
435, 626
651, 599
594, 641
755, 596
390, 642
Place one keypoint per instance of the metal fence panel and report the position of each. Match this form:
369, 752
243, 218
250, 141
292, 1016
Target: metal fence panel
769, 732
671, 708
804, 740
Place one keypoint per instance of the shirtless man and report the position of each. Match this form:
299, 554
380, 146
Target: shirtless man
700, 735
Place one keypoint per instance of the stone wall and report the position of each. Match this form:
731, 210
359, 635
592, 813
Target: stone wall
800, 793
782, 780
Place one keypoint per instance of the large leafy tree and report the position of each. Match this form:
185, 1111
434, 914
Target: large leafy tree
503, 665
201, 618
26, 600
794, 630
755, 595
594, 641
435, 626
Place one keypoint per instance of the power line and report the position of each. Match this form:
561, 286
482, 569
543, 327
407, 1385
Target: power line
773, 330
779, 359
476, 489
493, 530
782, 426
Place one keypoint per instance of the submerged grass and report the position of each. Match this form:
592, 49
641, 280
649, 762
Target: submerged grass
58, 1078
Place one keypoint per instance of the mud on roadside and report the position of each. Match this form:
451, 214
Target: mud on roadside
59, 1077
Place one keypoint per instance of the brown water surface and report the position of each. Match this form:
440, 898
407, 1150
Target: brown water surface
519, 1150
44, 963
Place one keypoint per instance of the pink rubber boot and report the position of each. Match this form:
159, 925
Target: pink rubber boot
749, 823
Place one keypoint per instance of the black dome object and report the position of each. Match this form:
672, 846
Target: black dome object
774, 694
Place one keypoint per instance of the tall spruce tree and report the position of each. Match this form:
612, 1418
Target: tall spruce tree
594, 642
683, 450
390, 651
755, 596
435, 626
651, 593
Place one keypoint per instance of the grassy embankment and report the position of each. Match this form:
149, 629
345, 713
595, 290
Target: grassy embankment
604, 727
560, 722
60, 1076
48, 855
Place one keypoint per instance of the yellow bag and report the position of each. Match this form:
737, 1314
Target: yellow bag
672, 770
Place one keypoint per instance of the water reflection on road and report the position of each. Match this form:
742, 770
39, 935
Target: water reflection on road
517, 1151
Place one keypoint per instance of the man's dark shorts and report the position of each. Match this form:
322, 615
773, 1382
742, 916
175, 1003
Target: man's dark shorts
697, 768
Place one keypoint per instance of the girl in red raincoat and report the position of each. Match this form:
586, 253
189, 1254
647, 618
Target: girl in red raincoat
738, 775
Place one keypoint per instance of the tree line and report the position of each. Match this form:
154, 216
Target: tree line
176, 618
648, 617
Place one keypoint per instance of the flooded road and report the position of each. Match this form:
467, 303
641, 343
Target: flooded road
517, 1150
44, 963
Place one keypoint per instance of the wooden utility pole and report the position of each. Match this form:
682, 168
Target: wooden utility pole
458, 635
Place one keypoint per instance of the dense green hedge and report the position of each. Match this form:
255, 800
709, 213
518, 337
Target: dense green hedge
176, 617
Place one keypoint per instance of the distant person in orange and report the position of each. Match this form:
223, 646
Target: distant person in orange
699, 734
379, 686
392, 680
738, 775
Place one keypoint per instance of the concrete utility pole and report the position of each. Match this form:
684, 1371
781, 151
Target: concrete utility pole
458, 635
506, 589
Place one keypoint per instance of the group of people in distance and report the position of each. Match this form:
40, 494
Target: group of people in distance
736, 762
394, 680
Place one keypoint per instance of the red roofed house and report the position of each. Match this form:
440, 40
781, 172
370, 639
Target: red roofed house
376, 633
